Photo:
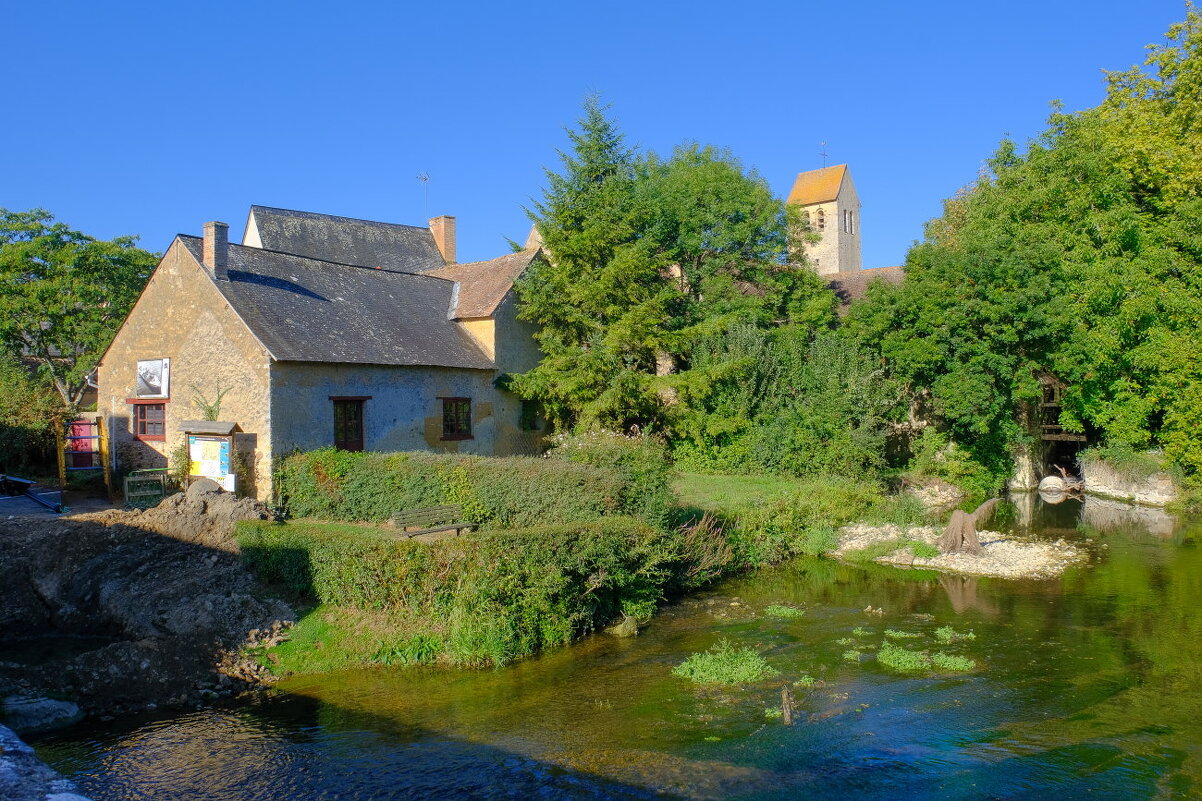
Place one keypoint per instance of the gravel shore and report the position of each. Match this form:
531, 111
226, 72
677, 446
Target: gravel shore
1004, 555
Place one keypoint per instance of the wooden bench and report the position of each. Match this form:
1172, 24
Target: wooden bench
431, 520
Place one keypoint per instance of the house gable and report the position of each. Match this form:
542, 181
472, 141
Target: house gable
182, 316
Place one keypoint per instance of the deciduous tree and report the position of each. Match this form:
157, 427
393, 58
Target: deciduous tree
64, 295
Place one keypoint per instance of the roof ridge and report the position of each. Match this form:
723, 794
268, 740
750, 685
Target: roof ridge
426, 274
300, 212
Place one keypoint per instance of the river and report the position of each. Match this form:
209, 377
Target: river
1086, 685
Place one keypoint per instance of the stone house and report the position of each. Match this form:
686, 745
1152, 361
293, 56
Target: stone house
320, 330
827, 199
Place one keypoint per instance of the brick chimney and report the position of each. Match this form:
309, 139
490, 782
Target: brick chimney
443, 230
217, 249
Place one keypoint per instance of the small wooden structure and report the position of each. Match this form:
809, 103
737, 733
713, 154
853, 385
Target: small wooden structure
144, 489
211, 451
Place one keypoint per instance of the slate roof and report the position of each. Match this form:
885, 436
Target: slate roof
817, 186
852, 286
308, 310
404, 248
484, 284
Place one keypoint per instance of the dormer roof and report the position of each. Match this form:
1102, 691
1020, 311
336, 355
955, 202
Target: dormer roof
484, 284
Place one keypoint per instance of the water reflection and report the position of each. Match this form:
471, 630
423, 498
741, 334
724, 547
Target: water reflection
1087, 685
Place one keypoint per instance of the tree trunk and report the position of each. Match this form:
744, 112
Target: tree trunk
960, 536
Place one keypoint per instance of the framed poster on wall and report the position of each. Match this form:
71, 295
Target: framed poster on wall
154, 378
210, 457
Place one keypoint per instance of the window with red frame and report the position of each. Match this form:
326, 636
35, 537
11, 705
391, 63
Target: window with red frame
150, 420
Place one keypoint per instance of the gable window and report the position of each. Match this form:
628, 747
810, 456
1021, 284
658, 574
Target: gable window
348, 422
150, 421
456, 418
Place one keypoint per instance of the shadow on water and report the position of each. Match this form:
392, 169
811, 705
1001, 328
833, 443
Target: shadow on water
295, 747
1085, 685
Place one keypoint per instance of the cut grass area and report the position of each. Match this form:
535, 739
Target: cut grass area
729, 494
329, 638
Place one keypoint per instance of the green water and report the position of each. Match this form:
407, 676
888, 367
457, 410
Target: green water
1086, 686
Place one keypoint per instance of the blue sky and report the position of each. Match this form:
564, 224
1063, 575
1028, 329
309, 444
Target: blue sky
151, 118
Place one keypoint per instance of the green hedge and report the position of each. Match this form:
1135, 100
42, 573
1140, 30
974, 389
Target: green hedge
491, 596
510, 492
641, 462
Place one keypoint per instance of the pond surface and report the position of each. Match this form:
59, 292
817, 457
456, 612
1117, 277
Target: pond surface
1088, 685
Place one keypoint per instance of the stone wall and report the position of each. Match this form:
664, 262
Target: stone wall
516, 352
1101, 479
403, 411
182, 316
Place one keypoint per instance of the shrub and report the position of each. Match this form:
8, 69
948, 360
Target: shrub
640, 461
497, 595
804, 523
936, 456
1128, 463
27, 411
725, 664
510, 492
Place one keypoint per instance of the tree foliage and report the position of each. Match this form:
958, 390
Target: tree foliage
64, 295
647, 258
27, 409
1079, 258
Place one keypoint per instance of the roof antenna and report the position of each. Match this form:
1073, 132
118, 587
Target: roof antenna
425, 179
822, 153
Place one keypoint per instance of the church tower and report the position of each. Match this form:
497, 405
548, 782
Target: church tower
827, 199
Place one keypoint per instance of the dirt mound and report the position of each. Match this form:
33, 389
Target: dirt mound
204, 515
164, 585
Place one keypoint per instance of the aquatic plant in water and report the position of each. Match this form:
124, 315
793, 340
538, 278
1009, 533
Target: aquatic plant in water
947, 634
901, 635
844, 641
725, 664
951, 663
851, 655
860, 631
783, 612
805, 680
904, 660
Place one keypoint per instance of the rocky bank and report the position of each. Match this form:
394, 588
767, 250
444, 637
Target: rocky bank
165, 588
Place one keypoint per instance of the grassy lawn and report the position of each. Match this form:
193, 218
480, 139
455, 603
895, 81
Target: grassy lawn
730, 493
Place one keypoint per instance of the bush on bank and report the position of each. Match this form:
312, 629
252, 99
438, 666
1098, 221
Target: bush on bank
641, 462
483, 598
508, 492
